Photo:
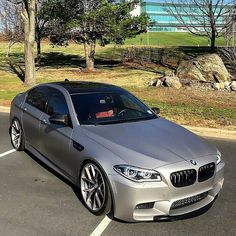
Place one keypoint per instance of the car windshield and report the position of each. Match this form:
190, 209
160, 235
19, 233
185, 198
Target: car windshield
109, 108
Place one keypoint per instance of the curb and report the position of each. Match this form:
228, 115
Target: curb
212, 132
4, 109
202, 131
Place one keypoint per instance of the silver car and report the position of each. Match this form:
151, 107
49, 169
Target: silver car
123, 157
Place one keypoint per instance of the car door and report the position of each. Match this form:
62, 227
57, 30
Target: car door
55, 139
33, 108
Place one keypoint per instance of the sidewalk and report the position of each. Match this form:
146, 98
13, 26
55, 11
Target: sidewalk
4, 109
212, 132
202, 131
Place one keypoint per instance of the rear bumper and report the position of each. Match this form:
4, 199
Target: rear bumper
128, 194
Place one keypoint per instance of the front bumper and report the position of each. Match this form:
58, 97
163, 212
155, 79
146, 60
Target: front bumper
128, 194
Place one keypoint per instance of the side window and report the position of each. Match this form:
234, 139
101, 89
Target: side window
57, 104
37, 97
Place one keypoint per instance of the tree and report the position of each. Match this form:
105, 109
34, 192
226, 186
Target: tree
201, 17
229, 53
99, 21
42, 23
229, 31
28, 16
11, 23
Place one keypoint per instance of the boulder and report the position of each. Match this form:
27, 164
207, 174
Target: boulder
208, 68
219, 86
216, 86
155, 82
173, 82
233, 86
159, 83
227, 85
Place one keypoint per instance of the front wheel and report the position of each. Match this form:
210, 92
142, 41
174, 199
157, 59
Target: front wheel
95, 189
17, 137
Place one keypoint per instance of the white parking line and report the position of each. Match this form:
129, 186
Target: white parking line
8, 152
101, 227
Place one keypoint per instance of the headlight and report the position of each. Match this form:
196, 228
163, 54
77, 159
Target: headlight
218, 157
137, 174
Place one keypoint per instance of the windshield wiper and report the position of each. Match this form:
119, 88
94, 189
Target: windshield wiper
132, 109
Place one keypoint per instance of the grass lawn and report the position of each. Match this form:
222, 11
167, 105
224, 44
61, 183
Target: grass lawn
172, 39
190, 107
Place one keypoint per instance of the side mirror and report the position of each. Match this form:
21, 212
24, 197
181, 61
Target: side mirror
156, 110
59, 119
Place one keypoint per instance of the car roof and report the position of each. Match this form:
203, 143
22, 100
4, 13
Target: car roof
75, 87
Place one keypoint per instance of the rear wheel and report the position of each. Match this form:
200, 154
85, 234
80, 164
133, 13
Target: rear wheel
95, 189
17, 137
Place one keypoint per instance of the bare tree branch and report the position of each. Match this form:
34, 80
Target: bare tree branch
204, 17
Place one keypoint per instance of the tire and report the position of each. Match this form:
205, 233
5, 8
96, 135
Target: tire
94, 189
17, 135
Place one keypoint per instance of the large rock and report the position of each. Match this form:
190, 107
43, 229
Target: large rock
155, 82
227, 85
233, 85
209, 67
219, 86
172, 81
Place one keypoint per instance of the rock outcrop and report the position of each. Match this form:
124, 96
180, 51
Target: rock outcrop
208, 68
173, 82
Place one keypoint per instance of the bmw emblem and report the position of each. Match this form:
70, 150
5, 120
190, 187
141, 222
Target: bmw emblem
193, 162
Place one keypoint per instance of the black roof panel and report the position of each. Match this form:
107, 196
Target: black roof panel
74, 87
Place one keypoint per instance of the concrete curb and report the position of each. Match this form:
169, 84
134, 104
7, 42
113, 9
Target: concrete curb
4, 109
212, 132
202, 131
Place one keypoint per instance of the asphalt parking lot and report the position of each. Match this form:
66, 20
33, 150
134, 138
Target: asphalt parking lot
35, 201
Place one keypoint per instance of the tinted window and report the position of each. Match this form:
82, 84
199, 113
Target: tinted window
105, 108
38, 97
57, 104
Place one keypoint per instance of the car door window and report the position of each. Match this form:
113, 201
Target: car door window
37, 97
57, 104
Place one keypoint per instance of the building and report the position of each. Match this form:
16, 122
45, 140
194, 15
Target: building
158, 11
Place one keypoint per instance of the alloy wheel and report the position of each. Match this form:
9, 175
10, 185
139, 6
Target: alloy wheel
93, 187
16, 134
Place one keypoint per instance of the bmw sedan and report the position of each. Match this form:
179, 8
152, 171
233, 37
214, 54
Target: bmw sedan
124, 158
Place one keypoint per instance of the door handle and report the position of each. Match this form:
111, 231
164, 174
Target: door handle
25, 108
44, 121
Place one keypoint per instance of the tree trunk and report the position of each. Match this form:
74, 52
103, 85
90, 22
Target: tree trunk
28, 15
89, 51
213, 41
10, 44
38, 42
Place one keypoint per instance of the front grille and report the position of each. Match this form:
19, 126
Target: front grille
206, 172
183, 178
188, 201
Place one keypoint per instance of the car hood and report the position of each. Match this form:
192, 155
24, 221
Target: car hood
150, 143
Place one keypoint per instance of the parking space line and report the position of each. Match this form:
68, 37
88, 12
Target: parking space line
8, 152
101, 227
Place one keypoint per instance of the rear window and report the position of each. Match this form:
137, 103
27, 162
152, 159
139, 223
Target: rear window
37, 97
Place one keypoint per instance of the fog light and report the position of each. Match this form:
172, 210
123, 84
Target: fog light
147, 205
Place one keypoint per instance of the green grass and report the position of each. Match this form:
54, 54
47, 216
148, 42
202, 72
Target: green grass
172, 39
